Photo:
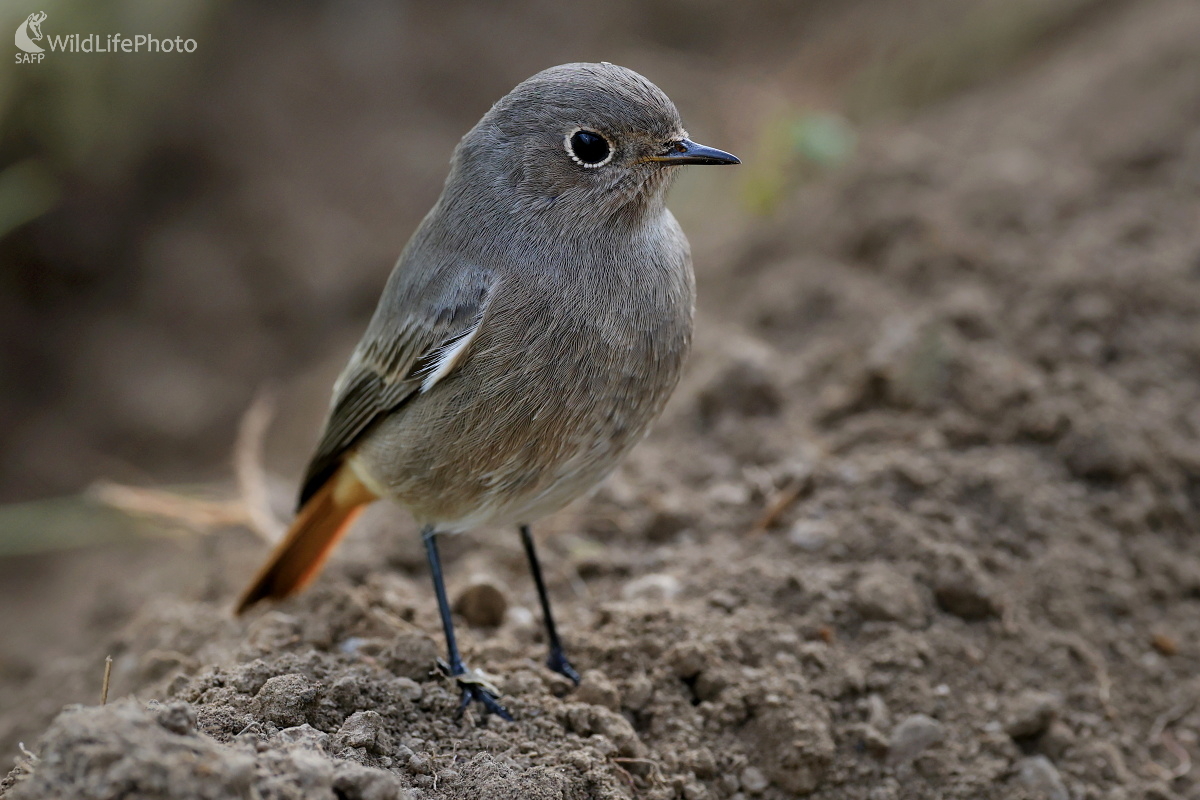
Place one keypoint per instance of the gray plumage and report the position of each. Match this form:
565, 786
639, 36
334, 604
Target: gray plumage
533, 328
537, 321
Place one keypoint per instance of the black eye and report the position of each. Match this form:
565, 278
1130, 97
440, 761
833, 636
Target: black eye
589, 148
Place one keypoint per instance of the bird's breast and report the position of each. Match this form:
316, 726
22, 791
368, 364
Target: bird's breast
564, 377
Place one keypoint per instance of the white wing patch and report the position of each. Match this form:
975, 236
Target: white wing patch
446, 357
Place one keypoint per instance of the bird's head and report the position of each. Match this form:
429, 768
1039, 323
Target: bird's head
579, 144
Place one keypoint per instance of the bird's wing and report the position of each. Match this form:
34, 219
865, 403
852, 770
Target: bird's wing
418, 335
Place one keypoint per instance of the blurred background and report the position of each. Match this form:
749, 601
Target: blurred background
182, 232
179, 231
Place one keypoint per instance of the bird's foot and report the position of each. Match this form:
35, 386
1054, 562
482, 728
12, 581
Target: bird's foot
557, 661
475, 693
476, 688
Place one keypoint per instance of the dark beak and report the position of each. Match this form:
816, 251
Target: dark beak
685, 151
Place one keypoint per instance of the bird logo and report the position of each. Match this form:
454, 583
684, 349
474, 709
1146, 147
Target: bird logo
30, 31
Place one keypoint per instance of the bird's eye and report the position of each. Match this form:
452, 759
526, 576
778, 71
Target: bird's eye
588, 148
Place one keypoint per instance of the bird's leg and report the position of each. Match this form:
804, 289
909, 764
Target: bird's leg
472, 689
557, 660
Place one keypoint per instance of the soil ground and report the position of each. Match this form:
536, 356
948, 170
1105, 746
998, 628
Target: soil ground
921, 522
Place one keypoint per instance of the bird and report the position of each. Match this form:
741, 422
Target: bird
530, 332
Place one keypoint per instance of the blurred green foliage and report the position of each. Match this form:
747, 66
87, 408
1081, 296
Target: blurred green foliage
67, 522
794, 147
108, 513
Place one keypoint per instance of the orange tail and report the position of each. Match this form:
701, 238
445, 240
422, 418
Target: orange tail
321, 523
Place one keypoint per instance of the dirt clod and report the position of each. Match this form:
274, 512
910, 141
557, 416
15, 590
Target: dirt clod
287, 700
354, 782
410, 655
121, 750
967, 594
795, 747
745, 388
1031, 713
912, 736
596, 689
1038, 776
178, 718
361, 729
482, 602
884, 594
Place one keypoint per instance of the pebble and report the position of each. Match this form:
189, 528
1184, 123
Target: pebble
913, 736
482, 602
729, 494
877, 711
702, 762
657, 586
753, 780
874, 741
1031, 713
810, 535
1039, 776
966, 594
522, 619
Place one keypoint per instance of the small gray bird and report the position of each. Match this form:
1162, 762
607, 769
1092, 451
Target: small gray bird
532, 329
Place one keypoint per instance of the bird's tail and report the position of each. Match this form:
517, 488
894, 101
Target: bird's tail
321, 523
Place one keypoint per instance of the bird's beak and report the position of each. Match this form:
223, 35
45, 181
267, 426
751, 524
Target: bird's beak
685, 151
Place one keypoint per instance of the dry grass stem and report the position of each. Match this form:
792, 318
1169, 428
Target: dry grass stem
107, 677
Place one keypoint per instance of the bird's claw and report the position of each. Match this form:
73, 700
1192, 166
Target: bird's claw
478, 693
477, 688
557, 661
